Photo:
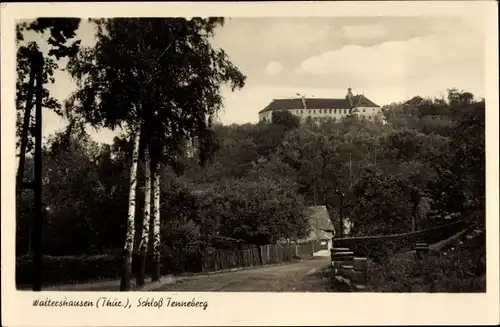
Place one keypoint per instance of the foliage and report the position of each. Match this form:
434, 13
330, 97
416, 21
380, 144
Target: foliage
62, 31
165, 74
457, 269
24, 55
461, 183
128, 76
258, 211
285, 119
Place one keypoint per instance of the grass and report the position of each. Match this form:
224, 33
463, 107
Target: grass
459, 268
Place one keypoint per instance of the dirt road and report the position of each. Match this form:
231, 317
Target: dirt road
303, 276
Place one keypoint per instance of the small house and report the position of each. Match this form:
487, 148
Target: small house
321, 227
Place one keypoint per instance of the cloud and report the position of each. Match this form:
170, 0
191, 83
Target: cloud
274, 68
354, 63
375, 31
453, 55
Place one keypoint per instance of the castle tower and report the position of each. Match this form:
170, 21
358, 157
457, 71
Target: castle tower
349, 96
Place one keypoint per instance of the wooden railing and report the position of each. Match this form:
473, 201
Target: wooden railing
380, 247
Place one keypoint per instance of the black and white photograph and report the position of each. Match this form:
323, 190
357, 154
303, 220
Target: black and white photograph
231, 153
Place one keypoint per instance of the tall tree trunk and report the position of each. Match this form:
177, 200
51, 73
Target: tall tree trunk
156, 223
129, 238
143, 246
39, 212
26, 125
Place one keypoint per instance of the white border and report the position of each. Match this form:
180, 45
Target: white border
254, 308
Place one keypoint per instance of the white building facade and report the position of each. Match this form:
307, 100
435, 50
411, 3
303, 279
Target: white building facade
334, 108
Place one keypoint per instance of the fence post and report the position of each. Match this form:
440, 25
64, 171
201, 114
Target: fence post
360, 267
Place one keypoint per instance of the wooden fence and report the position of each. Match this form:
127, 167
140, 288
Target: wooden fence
263, 255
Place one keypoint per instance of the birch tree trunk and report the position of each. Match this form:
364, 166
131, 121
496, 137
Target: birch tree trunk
129, 238
143, 246
156, 224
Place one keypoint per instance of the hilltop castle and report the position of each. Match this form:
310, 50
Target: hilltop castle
335, 108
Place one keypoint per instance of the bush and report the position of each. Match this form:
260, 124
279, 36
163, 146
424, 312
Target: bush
458, 270
69, 269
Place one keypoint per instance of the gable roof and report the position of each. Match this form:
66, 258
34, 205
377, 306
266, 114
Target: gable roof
320, 223
318, 103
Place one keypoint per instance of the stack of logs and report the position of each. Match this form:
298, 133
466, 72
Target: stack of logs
350, 272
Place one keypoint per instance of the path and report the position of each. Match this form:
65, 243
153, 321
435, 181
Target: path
302, 276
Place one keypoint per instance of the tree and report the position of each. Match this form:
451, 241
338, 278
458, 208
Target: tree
460, 186
143, 247
31, 63
285, 118
130, 234
259, 210
163, 73
62, 31
71, 193
382, 205
459, 98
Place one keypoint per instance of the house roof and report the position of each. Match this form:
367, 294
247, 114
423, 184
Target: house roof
318, 103
320, 222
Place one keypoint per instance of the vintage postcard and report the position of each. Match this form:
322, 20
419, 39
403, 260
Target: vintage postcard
323, 163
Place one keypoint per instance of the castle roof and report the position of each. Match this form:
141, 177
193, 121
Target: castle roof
318, 103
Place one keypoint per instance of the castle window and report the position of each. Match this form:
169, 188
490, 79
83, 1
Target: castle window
364, 110
330, 111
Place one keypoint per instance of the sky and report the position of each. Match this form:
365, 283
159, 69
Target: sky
387, 59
